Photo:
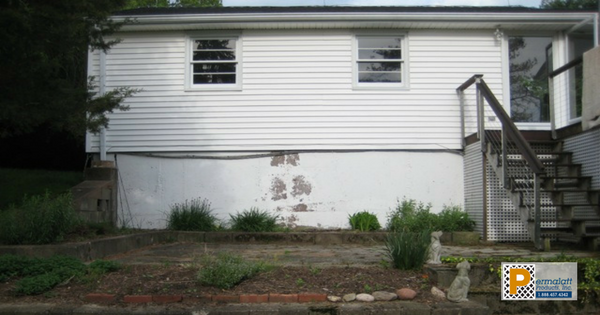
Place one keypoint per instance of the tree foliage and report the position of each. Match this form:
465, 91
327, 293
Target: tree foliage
133, 4
43, 61
570, 4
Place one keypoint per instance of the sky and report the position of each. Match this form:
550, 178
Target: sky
525, 3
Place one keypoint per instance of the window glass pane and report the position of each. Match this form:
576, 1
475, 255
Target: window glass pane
203, 44
214, 78
529, 98
379, 66
380, 54
379, 42
394, 77
214, 55
214, 68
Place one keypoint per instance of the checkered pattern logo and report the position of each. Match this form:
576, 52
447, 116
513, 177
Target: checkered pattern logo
524, 292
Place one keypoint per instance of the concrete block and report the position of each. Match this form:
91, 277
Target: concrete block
329, 238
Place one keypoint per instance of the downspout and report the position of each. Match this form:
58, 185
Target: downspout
102, 91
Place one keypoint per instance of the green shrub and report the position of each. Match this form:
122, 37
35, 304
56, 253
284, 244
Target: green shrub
413, 216
37, 284
364, 221
226, 270
194, 215
408, 250
253, 220
12, 266
453, 218
39, 275
38, 220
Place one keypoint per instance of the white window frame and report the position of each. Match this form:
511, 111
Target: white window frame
404, 84
189, 73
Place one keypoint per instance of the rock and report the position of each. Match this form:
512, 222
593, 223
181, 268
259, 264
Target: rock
384, 296
363, 297
406, 294
437, 293
333, 298
349, 297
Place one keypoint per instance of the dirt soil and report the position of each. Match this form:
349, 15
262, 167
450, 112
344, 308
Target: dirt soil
168, 279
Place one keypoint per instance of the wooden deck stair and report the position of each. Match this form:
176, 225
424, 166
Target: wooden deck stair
570, 207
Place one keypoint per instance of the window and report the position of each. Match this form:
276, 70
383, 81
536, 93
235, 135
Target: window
379, 61
213, 63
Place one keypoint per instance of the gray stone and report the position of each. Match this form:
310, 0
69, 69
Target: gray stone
459, 289
384, 296
406, 294
364, 297
349, 297
437, 293
435, 248
333, 298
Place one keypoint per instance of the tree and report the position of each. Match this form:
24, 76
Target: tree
570, 4
43, 62
133, 4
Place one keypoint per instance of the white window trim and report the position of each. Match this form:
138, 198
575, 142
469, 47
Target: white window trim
404, 85
189, 86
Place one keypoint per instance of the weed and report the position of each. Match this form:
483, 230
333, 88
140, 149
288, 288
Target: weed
225, 270
195, 215
39, 219
364, 221
300, 282
103, 266
407, 250
384, 264
253, 220
367, 288
314, 270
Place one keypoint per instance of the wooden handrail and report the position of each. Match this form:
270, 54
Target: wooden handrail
469, 82
511, 129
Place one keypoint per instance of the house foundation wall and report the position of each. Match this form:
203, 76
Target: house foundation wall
586, 151
303, 189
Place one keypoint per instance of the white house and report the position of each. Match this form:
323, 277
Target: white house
314, 113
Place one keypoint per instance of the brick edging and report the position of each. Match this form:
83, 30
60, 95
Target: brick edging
242, 298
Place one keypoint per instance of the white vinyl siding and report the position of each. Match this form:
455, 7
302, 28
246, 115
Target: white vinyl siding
297, 94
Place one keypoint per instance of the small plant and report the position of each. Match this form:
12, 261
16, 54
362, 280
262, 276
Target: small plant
413, 216
195, 215
103, 266
39, 219
407, 250
300, 282
226, 270
253, 220
368, 288
453, 218
364, 221
314, 270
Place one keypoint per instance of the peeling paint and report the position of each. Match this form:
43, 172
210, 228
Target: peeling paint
278, 160
301, 186
301, 208
289, 159
278, 189
292, 159
290, 221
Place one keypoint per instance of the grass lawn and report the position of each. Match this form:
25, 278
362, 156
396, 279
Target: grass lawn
16, 183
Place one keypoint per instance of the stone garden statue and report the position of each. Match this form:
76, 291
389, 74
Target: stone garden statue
460, 286
435, 248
